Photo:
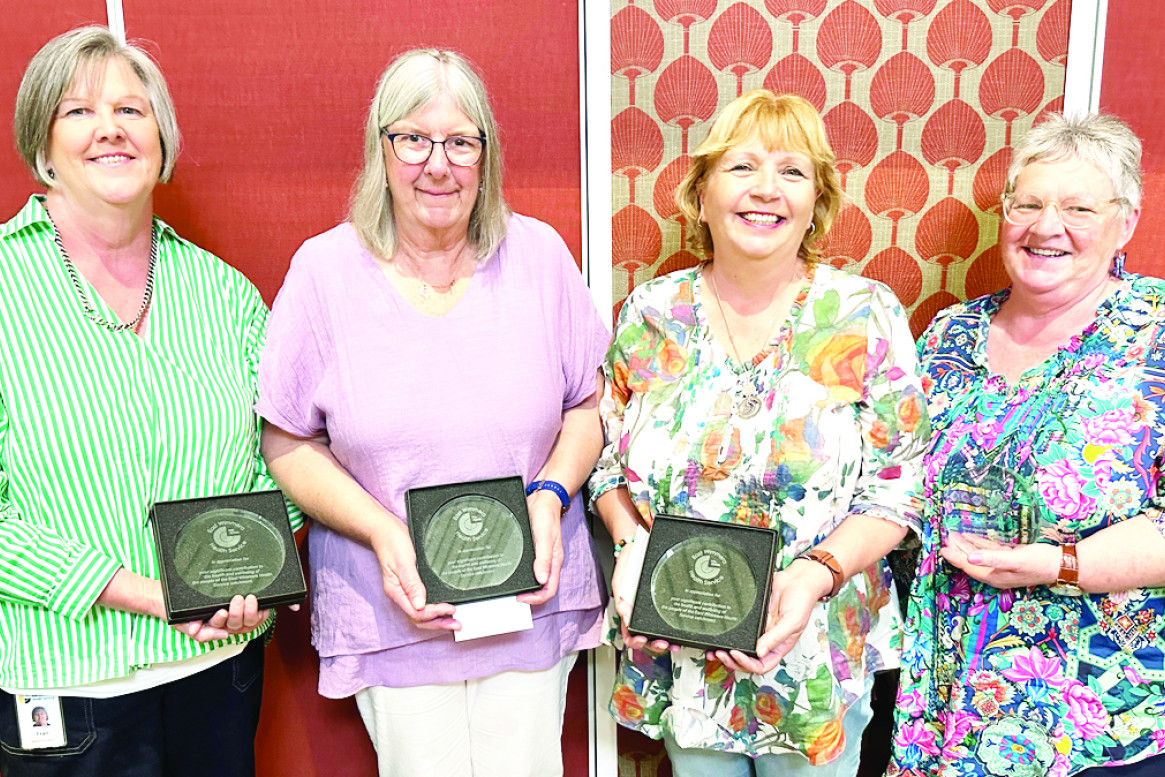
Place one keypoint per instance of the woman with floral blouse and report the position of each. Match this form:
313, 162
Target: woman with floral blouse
764, 389
1045, 657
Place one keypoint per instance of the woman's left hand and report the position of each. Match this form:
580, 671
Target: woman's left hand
242, 617
546, 525
796, 589
1003, 566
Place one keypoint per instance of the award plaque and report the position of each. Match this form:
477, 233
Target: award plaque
705, 584
473, 540
991, 502
212, 549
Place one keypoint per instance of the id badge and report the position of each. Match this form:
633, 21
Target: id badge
40, 722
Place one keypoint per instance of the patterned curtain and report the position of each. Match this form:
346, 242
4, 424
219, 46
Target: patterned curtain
921, 99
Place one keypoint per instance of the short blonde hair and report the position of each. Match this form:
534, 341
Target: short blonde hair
780, 121
413, 80
1103, 141
55, 68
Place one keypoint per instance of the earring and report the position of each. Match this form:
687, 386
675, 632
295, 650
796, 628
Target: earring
1118, 264
812, 227
52, 173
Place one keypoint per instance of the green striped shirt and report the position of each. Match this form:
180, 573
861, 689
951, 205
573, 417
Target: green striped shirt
96, 426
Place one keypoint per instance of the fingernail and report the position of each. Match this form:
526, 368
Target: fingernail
974, 558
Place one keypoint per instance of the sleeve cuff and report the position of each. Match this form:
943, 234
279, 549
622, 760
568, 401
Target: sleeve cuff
85, 576
601, 482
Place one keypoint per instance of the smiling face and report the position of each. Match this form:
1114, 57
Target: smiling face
104, 146
1046, 259
758, 203
433, 198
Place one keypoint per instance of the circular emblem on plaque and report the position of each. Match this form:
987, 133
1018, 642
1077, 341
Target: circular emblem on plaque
703, 586
227, 536
471, 522
473, 542
228, 551
707, 565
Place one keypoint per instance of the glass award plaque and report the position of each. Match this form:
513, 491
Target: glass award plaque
212, 549
990, 501
473, 540
705, 584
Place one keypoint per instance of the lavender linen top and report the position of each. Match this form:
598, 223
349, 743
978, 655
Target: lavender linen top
410, 400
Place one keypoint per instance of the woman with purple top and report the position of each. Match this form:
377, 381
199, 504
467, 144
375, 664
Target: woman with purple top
437, 338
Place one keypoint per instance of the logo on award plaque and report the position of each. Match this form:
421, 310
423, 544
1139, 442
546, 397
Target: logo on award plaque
473, 542
703, 586
224, 551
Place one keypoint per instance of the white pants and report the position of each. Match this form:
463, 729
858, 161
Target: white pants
504, 725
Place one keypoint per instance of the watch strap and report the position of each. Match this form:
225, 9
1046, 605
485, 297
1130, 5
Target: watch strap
555, 488
1069, 576
826, 559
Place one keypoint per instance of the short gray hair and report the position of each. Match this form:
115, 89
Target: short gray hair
412, 81
1099, 139
56, 67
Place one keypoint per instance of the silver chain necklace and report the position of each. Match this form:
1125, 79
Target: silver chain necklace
87, 305
746, 403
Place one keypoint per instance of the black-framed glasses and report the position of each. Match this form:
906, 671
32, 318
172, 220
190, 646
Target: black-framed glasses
413, 148
1024, 210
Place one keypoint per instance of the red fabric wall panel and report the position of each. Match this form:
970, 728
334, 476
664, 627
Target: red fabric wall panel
272, 97
28, 26
1134, 62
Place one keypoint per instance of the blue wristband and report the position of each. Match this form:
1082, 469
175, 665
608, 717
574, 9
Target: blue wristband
550, 485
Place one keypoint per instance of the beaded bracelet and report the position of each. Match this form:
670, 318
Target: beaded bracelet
623, 543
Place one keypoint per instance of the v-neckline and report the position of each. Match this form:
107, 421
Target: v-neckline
783, 334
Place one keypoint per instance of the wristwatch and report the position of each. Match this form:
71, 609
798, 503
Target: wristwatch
1067, 584
826, 559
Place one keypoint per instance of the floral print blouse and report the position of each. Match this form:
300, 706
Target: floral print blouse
1025, 681
840, 428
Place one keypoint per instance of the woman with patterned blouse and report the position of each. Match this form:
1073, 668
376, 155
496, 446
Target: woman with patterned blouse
762, 388
1036, 631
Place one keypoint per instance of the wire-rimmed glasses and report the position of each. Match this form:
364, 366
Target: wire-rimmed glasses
1023, 210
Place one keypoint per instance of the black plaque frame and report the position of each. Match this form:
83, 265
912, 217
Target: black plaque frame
758, 545
423, 503
183, 603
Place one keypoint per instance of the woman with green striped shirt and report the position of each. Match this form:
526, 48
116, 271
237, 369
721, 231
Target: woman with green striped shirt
127, 376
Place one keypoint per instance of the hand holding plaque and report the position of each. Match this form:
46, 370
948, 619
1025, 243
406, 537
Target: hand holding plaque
705, 584
213, 549
473, 540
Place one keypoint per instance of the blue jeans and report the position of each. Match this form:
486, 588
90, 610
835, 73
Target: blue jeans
696, 762
197, 726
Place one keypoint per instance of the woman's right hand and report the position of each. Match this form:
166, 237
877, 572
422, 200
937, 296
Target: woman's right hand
402, 584
624, 605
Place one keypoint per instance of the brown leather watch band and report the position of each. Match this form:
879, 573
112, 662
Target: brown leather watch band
1069, 567
826, 559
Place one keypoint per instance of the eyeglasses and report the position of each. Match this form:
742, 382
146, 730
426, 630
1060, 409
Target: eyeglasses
415, 149
1023, 210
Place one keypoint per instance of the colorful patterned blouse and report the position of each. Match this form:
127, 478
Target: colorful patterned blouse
1024, 681
840, 429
